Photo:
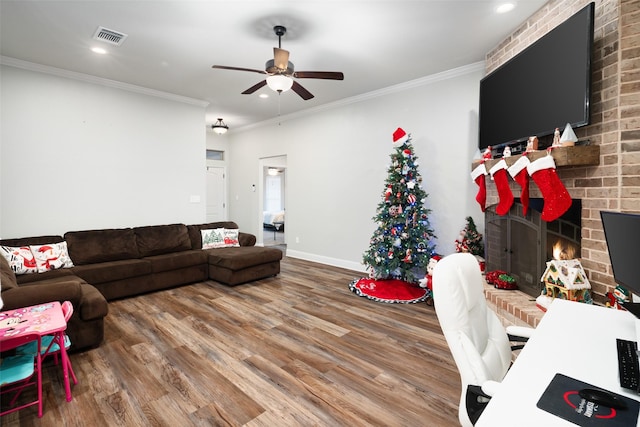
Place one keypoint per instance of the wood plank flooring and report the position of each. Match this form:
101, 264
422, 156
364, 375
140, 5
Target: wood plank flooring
298, 349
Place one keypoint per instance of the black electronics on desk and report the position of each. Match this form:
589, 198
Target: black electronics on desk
622, 233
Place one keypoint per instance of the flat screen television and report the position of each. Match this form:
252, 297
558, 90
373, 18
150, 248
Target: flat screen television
622, 233
544, 87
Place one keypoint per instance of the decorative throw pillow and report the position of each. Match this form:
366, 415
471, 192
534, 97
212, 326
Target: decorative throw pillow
231, 238
20, 259
51, 256
212, 238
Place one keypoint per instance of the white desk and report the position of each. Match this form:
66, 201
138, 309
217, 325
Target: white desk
574, 339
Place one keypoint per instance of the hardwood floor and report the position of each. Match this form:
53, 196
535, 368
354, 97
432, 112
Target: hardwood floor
298, 349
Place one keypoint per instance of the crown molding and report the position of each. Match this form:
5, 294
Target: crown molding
401, 87
31, 66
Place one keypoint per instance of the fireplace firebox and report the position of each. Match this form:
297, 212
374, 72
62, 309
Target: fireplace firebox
522, 244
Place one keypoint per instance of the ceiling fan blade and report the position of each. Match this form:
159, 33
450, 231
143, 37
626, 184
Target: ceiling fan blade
304, 94
224, 67
254, 88
281, 58
329, 75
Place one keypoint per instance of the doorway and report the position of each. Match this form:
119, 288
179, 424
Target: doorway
273, 217
216, 206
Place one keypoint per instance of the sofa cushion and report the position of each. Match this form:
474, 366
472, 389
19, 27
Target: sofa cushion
20, 259
26, 241
212, 238
94, 246
162, 239
113, 270
243, 256
51, 256
67, 288
30, 278
177, 260
195, 231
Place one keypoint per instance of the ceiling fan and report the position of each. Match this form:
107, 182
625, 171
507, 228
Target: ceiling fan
281, 73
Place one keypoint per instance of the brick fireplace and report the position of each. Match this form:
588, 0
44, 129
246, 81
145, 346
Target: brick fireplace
613, 181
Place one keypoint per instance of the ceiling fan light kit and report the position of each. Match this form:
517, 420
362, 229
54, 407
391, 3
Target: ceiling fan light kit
280, 72
279, 82
219, 127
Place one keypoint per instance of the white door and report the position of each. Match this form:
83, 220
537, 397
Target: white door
215, 194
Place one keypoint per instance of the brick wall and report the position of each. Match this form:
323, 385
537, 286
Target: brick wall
615, 121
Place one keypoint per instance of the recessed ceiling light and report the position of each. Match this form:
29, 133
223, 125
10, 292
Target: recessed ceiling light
505, 7
263, 95
99, 50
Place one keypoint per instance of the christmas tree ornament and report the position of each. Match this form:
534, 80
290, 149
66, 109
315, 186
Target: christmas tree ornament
556, 197
518, 172
499, 175
478, 175
399, 137
387, 193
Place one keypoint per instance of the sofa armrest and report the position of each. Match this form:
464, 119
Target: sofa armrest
246, 239
33, 294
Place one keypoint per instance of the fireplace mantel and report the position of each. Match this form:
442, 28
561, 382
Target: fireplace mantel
579, 155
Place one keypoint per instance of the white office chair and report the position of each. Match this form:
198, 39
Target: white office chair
478, 342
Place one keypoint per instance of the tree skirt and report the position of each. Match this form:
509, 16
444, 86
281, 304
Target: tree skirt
389, 290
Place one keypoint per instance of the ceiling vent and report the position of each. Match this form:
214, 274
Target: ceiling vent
109, 36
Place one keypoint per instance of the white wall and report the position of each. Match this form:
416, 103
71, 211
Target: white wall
337, 161
77, 155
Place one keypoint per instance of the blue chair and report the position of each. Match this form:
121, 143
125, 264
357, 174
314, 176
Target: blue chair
49, 346
16, 372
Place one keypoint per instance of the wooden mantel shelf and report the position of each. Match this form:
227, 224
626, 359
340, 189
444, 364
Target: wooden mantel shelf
579, 155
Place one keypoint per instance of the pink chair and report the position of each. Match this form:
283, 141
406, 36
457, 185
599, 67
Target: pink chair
16, 372
50, 344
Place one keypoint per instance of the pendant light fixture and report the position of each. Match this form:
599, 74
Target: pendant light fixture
219, 127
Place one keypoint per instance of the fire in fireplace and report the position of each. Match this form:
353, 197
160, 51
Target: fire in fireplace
563, 249
521, 245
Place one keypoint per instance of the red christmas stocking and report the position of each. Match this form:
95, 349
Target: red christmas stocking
478, 176
556, 197
499, 176
518, 172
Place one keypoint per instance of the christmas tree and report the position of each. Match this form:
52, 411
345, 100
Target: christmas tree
402, 245
470, 240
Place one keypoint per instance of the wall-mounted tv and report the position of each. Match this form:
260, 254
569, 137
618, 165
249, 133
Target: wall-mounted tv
544, 87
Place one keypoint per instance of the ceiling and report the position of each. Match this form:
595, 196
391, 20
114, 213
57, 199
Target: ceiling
171, 45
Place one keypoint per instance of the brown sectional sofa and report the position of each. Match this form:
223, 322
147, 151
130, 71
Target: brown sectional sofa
117, 263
